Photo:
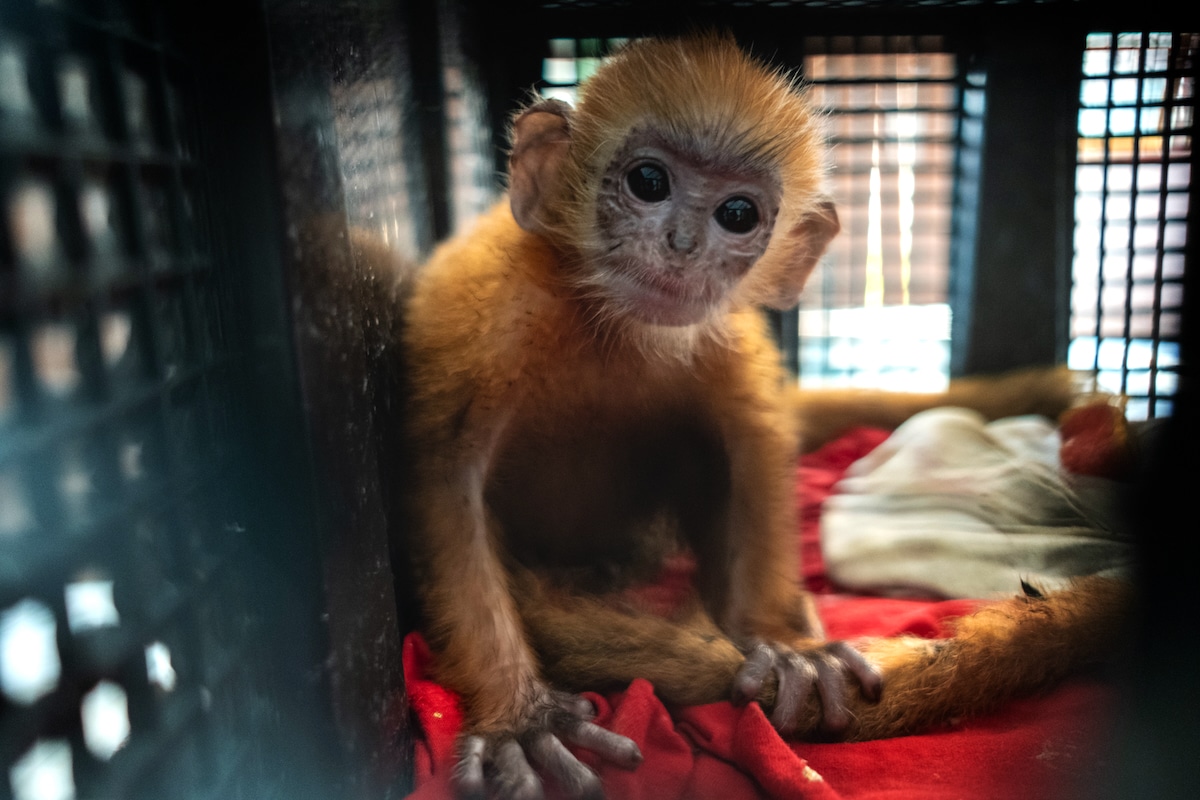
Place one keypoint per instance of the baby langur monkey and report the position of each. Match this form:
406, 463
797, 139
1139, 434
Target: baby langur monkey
594, 389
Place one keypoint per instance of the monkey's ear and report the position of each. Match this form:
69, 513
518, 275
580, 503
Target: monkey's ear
540, 139
806, 243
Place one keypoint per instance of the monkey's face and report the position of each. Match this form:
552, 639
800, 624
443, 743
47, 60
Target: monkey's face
677, 229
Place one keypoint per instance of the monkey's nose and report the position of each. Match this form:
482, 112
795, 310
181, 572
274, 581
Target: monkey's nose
681, 241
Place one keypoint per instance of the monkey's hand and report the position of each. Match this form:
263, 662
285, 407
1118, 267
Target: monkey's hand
497, 764
783, 679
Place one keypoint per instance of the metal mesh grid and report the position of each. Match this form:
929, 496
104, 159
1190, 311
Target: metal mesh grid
571, 61
876, 313
472, 181
1132, 184
125, 577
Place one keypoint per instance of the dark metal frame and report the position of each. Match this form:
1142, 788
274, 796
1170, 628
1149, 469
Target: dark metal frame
1149, 384
253, 540
186, 444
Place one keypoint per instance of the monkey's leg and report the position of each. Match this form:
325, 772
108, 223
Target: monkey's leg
585, 643
746, 562
515, 722
823, 414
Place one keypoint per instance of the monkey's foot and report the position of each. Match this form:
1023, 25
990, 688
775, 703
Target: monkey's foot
783, 679
498, 765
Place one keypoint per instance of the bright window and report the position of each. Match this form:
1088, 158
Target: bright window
1131, 208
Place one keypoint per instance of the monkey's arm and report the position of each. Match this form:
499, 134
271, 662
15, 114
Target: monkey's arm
770, 614
465, 362
752, 588
823, 414
513, 717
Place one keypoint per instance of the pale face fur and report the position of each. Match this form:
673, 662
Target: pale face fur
673, 255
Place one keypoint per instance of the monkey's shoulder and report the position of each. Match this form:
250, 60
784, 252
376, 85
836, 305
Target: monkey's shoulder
483, 318
484, 281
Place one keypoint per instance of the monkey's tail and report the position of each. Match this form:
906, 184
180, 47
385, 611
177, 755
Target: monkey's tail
824, 413
1017, 647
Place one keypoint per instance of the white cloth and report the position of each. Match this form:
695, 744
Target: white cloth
952, 505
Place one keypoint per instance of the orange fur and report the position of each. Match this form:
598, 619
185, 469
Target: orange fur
563, 445
709, 93
1008, 649
509, 362
823, 414
499, 353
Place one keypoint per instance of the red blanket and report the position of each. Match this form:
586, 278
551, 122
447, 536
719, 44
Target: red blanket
1037, 748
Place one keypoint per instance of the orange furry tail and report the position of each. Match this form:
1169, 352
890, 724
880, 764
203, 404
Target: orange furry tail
1016, 647
823, 414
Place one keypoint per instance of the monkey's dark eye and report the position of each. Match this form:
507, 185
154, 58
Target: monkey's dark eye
737, 215
649, 183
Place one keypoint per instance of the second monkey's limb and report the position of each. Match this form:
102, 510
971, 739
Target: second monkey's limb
1008, 649
823, 414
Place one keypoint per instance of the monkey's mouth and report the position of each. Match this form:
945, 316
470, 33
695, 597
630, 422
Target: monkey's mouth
661, 299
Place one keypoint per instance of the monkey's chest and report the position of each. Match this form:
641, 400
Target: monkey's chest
606, 496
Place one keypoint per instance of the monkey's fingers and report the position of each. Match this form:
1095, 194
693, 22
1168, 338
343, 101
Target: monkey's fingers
575, 706
794, 676
826, 667
494, 769
836, 662
467, 776
752, 675
571, 720
869, 678
832, 688
575, 779
612, 747
510, 777
498, 765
